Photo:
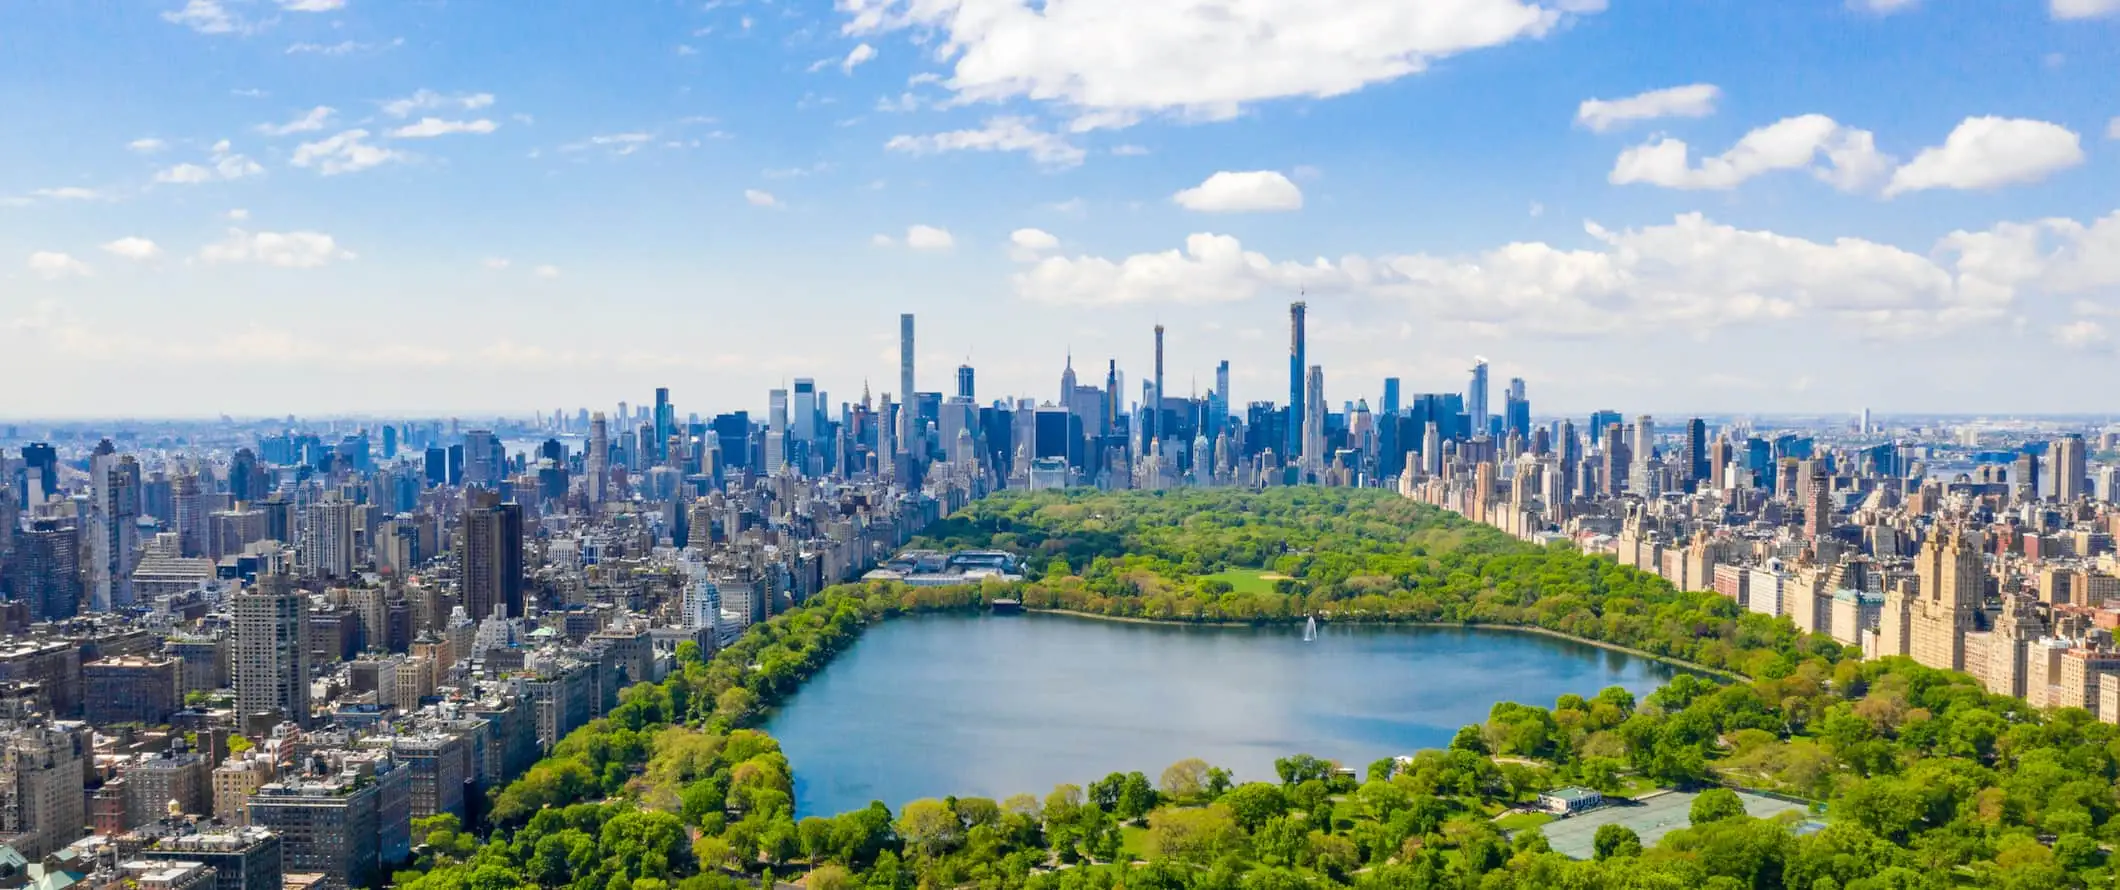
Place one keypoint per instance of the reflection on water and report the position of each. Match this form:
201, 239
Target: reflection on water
934, 705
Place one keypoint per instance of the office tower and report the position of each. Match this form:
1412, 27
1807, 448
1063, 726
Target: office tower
1067, 381
435, 460
390, 442
188, 514
1314, 419
597, 463
46, 569
1476, 396
1612, 452
964, 379
327, 549
1220, 403
1296, 358
1516, 410
802, 417
907, 428
665, 420
456, 464
493, 555
1694, 465
1818, 506
271, 653
40, 466
2070, 471
1432, 449
776, 430
1644, 438
1111, 393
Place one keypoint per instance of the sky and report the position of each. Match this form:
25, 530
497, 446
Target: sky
258, 207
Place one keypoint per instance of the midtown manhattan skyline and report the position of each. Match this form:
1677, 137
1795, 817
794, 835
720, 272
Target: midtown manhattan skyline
320, 206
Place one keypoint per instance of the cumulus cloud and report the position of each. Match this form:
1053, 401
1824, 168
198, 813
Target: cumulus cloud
2084, 9
920, 237
1850, 162
312, 5
1007, 133
341, 48
1256, 190
206, 17
51, 265
2083, 335
1026, 245
223, 164
547, 272
758, 198
1692, 273
430, 127
429, 100
72, 193
496, 263
146, 146
347, 152
287, 250
309, 122
1990, 152
856, 56
133, 248
1692, 100
1882, 7
1200, 59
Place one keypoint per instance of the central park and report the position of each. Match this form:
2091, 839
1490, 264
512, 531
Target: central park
1558, 669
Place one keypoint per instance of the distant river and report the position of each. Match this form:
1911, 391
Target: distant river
934, 705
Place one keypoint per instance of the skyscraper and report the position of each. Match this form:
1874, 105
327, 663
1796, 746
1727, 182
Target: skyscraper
1220, 403
964, 380
327, 545
2069, 469
802, 419
1476, 396
1296, 366
115, 526
906, 421
1696, 466
493, 555
1153, 411
665, 419
776, 430
597, 463
1314, 420
272, 649
1516, 410
46, 567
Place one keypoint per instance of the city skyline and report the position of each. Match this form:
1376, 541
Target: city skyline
346, 207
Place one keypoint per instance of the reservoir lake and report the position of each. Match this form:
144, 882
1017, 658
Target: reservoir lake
990, 706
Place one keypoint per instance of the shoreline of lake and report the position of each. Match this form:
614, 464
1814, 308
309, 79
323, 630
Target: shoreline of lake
1666, 660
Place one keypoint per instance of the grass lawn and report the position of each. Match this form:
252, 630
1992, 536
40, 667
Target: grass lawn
1248, 580
1636, 786
1133, 841
1521, 821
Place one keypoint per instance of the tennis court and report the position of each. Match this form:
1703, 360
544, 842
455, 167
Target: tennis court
1652, 818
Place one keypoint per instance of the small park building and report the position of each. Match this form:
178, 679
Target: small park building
1569, 801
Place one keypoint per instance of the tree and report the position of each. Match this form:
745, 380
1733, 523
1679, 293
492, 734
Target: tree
1185, 780
829, 877
930, 827
1252, 803
1715, 805
1198, 835
1136, 797
1302, 768
1615, 841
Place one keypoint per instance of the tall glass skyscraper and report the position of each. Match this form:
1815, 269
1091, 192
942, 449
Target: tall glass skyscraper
1295, 382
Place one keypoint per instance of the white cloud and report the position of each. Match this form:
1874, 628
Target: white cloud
341, 48
309, 122
757, 198
547, 272
429, 100
920, 237
1227, 192
2083, 335
1129, 151
495, 263
429, 127
1989, 152
1027, 245
858, 55
1882, 7
1851, 161
206, 17
1007, 133
133, 248
1692, 273
146, 146
52, 265
287, 250
312, 5
347, 152
1692, 100
2112, 129
226, 164
72, 193
2084, 9
1537, 210
238, 215
1204, 59
882, 241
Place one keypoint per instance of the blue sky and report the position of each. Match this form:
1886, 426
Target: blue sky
265, 206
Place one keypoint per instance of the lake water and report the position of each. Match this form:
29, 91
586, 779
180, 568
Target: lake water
934, 705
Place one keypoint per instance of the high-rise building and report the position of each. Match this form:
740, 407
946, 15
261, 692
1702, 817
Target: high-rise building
115, 527
907, 423
1296, 382
802, 416
965, 389
327, 546
1314, 420
188, 514
1516, 410
271, 658
1476, 396
665, 419
42, 807
46, 569
776, 430
2070, 470
596, 464
493, 556
484, 462
1695, 465
1152, 413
